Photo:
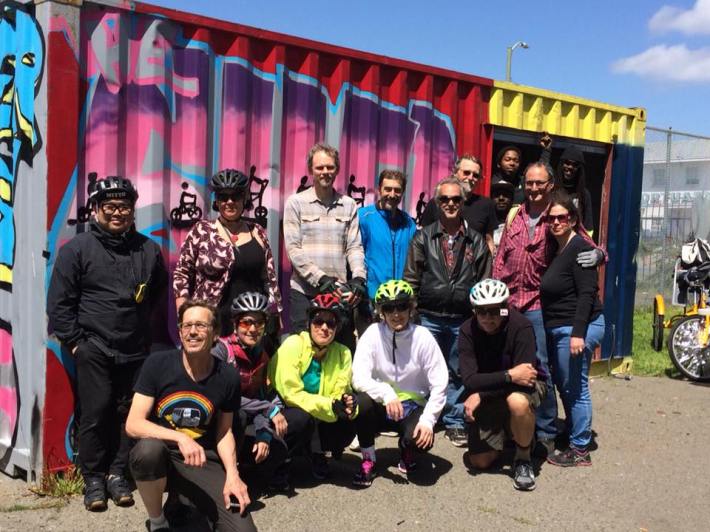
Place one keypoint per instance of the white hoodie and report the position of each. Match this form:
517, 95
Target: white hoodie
415, 370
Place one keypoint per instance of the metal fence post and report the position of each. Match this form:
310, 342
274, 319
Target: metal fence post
666, 231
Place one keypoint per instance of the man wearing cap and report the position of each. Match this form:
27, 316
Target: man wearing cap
104, 287
502, 192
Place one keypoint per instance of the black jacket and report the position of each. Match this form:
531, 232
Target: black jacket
440, 293
92, 294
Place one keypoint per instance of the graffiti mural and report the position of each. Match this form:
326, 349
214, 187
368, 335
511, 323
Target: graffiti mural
21, 65
9, 397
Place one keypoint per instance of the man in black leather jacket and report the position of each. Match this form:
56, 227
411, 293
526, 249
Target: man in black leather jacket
104, 286
445, 260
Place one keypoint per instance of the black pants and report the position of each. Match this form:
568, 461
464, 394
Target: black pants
105, 390
152, 459
256, 475
334, 437
372, 418
300, 303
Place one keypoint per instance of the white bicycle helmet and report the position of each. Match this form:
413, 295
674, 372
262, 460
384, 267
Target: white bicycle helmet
488, 292
250, 302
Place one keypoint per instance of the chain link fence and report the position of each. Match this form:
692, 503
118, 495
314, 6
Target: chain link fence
675, 206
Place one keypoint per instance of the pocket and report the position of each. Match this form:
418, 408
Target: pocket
310, 226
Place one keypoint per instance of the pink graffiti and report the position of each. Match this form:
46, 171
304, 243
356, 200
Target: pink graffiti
8, 406
5, 348
60, 24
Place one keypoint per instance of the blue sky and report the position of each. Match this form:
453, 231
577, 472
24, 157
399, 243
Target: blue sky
636, 53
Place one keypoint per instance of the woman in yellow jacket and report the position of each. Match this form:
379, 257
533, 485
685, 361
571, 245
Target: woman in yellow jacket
312, 373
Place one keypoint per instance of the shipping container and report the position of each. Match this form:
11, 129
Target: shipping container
166, 98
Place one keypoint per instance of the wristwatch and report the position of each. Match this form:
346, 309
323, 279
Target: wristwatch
508, 378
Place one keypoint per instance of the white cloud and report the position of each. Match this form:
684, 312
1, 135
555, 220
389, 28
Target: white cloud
668, 63
693, 21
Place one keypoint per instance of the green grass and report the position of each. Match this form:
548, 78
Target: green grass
39, 506
62, 484
647, 361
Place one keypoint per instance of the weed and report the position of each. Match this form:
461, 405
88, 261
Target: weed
647, 361
39, 506
62, 484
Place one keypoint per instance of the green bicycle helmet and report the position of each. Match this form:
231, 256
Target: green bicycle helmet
394, 290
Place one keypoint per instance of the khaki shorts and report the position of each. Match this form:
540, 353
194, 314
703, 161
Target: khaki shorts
491, 426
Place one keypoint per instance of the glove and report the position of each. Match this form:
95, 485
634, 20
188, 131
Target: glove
357, 286
327, 284
339, 410
591, 258
354, 398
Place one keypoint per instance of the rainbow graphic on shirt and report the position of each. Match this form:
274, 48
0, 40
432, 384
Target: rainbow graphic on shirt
186, 411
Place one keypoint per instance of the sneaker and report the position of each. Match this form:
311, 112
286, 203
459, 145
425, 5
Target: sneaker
119, 490
319, 466
354, 445
571, 457
407, 463
523, 476
280, 479
390, 433
161, 529
457, 436
364, 476
95, 494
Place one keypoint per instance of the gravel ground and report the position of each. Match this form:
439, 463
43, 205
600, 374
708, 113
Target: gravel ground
649, 473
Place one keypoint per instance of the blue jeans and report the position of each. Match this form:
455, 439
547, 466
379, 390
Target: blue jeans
571, 375
546, 413
446, 333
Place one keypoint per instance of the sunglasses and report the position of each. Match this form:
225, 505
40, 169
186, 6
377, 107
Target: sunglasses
471, 173
234, 196
449, 199
491, 311
247, 323
332, 323
559, 218
395, 307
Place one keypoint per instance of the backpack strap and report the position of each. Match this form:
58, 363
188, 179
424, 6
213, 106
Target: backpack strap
511, 215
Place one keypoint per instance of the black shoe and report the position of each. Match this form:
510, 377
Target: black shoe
457, 436
571, 458
95, 494
119, 490
544, 447
280, 479
177, 513
523, 476
319, 466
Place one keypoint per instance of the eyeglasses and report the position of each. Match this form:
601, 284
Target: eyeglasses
332, 323
201, 326
234, 196
111, 208
389, 308
488, 311
560, 218
470, 173
248, 323
449, 199
538, 184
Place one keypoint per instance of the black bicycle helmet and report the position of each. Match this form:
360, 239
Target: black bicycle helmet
229, 179
114, 187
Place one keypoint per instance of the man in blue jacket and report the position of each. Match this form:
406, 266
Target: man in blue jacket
386, 230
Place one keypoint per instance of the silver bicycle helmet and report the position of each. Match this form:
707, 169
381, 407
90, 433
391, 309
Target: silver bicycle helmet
488, 292
250, 302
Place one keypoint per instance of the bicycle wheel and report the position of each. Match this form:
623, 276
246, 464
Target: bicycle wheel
657, 338
687, 354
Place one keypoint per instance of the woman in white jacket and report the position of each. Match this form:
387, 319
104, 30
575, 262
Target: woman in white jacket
400, 375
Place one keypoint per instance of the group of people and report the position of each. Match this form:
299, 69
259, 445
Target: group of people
468, 322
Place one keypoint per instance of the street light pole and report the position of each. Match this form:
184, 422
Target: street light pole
509, 57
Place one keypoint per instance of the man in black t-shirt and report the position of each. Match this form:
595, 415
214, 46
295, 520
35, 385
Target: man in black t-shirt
500, 371
182, 416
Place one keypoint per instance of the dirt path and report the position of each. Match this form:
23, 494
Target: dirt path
649, 472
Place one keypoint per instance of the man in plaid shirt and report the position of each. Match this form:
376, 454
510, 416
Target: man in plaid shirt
523, 256
322, 239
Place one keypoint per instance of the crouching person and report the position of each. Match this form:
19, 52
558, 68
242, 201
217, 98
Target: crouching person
311, 373
181, 416
503, 377
401, 375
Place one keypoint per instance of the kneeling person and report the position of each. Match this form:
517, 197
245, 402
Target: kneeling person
501, 372
401, 375
181, 416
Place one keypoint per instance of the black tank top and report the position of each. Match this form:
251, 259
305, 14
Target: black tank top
245, 276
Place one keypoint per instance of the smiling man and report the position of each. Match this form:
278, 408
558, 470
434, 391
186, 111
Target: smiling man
181, 415
104, 286
445, 260
322, 240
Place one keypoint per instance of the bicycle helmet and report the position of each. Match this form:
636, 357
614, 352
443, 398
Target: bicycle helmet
249, 302
394, 290
325, 302
229, 179
488, 292
113, 187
